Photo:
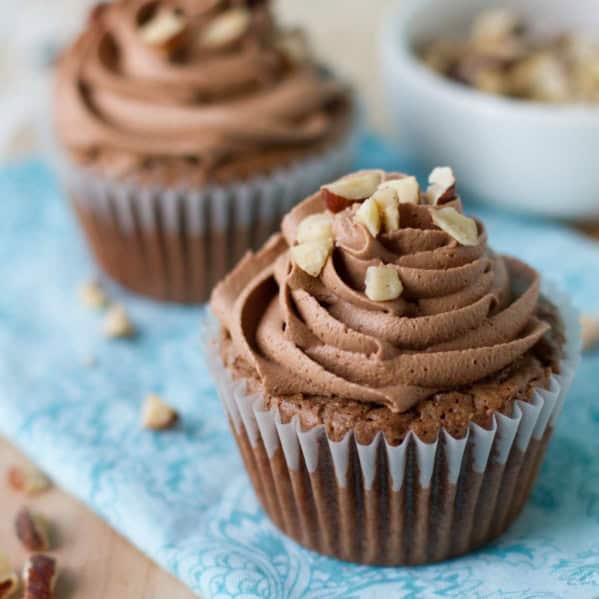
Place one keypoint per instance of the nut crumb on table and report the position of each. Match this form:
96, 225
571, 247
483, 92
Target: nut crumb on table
117, 323
158, 415
39, 577
32, 530
28, 479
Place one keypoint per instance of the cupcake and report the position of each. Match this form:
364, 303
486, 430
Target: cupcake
187, 128
392, 383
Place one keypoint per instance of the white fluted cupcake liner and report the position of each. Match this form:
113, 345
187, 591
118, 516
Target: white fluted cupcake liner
175, 244
412, 503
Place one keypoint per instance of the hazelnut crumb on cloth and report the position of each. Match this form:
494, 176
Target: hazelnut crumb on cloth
379, 312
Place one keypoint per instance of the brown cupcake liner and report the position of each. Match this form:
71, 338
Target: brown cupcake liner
409, 504
176, 244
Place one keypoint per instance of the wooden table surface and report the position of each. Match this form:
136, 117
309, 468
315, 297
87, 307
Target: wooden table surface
96, 563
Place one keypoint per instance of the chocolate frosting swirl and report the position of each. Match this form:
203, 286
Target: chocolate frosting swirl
122, 102
465, 312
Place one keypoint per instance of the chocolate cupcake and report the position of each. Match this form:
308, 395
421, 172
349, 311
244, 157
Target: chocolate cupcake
391, 382
188, 128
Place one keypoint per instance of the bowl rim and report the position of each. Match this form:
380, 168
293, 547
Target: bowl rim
395, 45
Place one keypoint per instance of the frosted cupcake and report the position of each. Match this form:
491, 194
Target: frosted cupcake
188, 129
391, 382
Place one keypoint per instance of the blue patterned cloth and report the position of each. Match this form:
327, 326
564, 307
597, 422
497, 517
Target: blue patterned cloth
182, 496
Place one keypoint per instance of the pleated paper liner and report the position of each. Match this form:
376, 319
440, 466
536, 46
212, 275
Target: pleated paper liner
176, 244
408, 504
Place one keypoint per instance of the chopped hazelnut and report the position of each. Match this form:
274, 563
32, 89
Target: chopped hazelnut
501, 55
316, 227
39, 577
28, 479
441, 185
226, 28
407, 189
311, 256
351, 188
589, 331
494, 25
32, 530
462, 228
382, 283
117, 323
369, 216
92, 295
165, 30
158, 415
388, 207
542, 76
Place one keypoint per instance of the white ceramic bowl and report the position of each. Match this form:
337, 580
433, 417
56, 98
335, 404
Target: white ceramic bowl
523, 155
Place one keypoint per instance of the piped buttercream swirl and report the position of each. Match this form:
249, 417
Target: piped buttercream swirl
465, 312
121, 101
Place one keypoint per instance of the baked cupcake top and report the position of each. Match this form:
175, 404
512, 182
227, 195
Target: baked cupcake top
200, 89
377, 293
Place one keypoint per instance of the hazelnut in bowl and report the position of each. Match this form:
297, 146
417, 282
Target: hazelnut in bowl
506, 91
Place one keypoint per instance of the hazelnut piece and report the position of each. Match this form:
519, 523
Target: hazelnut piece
311, 256
117, 323
590, 331
351, 188
32, 530
39, 577
165, 31
158, 415
441, 185
382, 283
225, 28
369, 216
407, 189
28, 479
316, 227
462, 228
388, 206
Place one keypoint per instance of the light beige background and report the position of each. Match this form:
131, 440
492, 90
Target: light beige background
344, 34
